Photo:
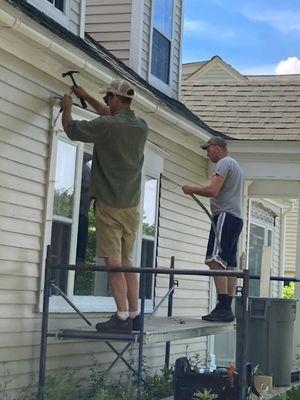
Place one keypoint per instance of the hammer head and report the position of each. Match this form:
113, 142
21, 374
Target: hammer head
69, 73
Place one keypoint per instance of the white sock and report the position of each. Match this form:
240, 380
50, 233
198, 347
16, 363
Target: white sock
123, 315
133, 314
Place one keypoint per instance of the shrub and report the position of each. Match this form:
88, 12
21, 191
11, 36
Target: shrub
289, 291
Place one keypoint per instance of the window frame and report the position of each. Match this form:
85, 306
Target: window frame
154, 80
63, 17
267, 228
153, 166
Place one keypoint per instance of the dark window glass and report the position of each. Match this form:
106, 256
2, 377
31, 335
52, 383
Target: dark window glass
160, 62
58, 4
60, 244
86, 236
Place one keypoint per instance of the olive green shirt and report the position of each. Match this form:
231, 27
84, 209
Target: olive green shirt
119, 142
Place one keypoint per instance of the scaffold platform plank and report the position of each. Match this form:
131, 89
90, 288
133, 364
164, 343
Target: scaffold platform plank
156, 330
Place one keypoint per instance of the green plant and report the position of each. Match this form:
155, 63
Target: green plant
294, 393
158, 386
59, 387
204, 394
289, 291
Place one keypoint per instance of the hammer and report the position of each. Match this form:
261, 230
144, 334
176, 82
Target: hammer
70, 74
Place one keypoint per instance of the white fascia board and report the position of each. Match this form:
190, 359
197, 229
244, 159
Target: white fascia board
264, 146
105, 76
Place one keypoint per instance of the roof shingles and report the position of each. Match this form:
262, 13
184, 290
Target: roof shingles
266, 109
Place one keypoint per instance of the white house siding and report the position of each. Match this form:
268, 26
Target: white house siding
291, 241
146, 39
109, 22
75, 15
176, 64
24, 153
183, 233
215, 74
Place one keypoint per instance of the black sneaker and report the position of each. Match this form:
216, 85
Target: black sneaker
219, 315
115, 324
136, 323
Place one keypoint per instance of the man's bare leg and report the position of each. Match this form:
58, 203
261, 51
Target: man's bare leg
132, 282
221, 282
117, 283
231, 286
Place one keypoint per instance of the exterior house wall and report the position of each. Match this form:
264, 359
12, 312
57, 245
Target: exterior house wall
215, 74
72, 18
24, 154
75, 16
110, 23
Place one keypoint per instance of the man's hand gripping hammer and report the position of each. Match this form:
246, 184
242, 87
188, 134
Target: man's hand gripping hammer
70, 74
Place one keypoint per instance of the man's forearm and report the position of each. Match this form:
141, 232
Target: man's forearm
205, 191
66, 118
99, 107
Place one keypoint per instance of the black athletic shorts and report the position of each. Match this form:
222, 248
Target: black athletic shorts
224, 250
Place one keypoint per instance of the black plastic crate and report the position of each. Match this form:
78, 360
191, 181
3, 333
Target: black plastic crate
187, 382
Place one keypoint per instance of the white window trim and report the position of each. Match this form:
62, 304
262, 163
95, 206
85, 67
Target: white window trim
153, 166
153, 80
266, 227
51, 11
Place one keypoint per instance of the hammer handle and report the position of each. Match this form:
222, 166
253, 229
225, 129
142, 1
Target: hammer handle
83, 103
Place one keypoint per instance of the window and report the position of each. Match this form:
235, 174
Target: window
59, 10
149, 229
58, 4
66, 154
260, 237
73, 234
161, 39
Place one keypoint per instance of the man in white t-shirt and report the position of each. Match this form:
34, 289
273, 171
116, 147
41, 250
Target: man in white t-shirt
225, 192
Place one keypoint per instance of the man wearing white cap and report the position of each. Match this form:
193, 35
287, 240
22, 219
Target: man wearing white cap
119, 139
225, 192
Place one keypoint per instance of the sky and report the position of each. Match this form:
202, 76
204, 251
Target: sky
253, 36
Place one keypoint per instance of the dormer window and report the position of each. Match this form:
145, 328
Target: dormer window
162, 39
58, 10
58, 4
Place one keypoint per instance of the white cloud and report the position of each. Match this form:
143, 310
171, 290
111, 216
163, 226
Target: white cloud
202, 27
285, 21
289, 66
258, 70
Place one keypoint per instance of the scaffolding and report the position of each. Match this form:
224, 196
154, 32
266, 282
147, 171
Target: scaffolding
166, 330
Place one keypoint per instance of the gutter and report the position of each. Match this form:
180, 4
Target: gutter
149, 106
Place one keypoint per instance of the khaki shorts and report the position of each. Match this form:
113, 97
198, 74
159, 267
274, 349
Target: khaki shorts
116, 230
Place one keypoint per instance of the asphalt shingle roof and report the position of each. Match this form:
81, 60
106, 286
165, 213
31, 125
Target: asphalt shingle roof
255, 109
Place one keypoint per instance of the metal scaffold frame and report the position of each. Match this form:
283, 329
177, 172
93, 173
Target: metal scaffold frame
241, 337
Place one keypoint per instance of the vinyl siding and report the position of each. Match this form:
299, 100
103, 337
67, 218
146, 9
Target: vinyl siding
146, 39
176, 63
180, 236
75, 16
24, 154
109, 22
291, 242
216, 74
